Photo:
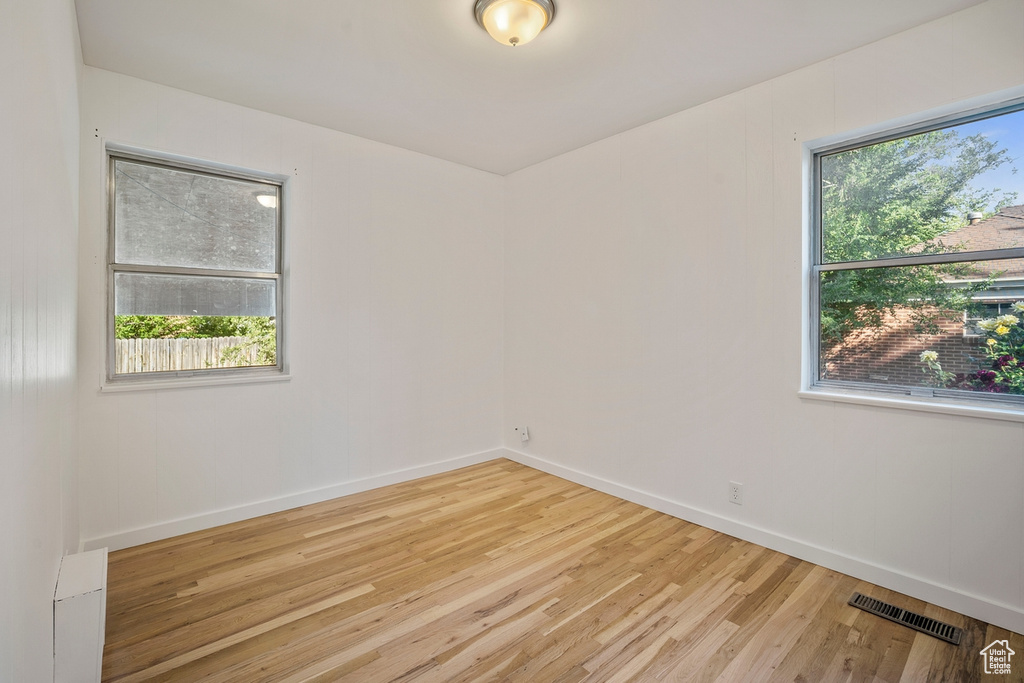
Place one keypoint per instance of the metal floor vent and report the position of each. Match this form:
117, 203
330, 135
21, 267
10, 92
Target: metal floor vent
950, 634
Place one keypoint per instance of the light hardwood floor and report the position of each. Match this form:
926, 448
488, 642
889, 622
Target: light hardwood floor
499, 572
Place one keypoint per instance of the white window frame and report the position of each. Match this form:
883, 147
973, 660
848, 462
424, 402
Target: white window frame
999, 406
201, 376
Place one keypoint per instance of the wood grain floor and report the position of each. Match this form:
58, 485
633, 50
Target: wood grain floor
499, 572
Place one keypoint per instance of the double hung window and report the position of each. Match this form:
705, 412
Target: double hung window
194, 271
917, 270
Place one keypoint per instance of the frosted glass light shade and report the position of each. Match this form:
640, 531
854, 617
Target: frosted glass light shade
514, 22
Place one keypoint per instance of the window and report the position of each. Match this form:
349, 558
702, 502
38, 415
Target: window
194, 271
917, 277
985, 311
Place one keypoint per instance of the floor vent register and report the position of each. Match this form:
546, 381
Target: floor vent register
918, 622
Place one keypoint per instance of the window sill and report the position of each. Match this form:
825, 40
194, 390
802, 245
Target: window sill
993, 412
189, 382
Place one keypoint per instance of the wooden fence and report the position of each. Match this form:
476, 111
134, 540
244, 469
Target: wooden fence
162, 355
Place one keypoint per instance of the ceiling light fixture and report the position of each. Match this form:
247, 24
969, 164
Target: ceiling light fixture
267, 200
514, 22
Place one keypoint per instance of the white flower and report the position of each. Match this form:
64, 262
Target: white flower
929, 356
1018, 306
988, 324
1006, 320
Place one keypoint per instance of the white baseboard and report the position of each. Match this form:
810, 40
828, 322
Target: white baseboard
157, 532
999, 614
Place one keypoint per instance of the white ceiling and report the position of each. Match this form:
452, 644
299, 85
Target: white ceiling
420, 74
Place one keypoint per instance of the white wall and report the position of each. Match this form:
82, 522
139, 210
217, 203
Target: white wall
653, 315
648, 329
40, 60
394, 326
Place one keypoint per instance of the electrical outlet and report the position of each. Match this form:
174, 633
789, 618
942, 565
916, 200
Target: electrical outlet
736, 493
524, 435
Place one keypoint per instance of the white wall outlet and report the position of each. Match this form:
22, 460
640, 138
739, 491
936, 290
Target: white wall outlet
736, 493
524, 434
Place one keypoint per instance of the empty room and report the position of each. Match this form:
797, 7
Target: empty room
525, 340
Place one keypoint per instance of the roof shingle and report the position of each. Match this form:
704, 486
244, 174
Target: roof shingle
1004, 230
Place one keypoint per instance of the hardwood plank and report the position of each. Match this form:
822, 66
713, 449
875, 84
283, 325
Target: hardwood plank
808, 658
500, 572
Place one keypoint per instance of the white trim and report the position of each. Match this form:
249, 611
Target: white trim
934, 117
998, 614
157, 532
949, 114
990, 412
162, 156
224, 376
107, 387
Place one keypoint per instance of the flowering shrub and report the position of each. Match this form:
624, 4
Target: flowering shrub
937, 376
1003, 354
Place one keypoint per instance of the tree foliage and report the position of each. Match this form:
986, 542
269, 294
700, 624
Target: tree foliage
893, 199
176, 326
261, 332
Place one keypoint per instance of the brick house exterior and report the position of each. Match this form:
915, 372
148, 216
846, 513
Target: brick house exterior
891, 355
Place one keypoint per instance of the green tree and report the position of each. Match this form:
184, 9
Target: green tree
176, 326
262, 334
898, 198
260, 331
